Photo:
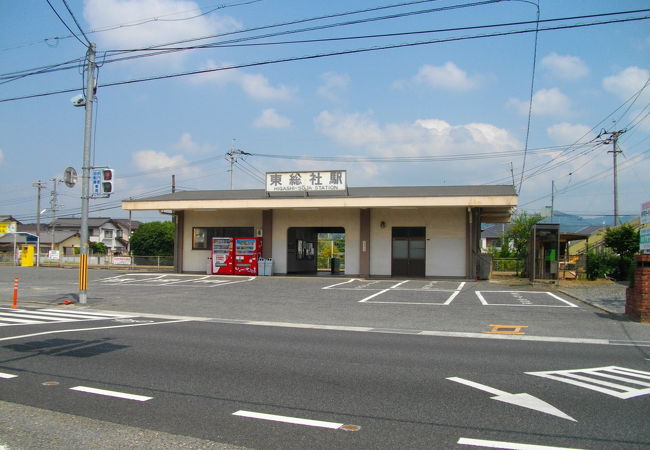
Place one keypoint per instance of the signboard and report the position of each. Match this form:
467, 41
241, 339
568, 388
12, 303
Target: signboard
330, 180
96, 182
53, 255
7, 227
645, 213
644, 241
122, 260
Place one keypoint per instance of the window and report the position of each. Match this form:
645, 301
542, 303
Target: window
202, 236
108, 234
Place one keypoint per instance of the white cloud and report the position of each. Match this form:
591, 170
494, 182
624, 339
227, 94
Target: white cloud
565, 66
160, 164
448, 76
256, 86
157, 23
187, 145
425, 137
271, 119
566, 133
333, 85
546, 102
627, 82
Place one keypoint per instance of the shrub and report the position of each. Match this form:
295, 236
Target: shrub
601, 265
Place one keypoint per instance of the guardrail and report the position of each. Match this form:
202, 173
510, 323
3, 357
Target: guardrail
159, 263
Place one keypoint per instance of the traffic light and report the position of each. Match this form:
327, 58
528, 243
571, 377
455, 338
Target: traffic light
107, 181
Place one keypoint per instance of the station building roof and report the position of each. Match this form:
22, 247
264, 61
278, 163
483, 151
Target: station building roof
496, 201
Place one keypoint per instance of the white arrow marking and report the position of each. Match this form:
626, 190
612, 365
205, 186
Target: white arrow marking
523, 400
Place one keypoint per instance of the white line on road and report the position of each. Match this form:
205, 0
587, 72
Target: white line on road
285, 419
338, 284
124, 395
7, 375
374, 295
10, 338
508, 445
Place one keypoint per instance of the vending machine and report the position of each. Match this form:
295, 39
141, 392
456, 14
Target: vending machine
222, 256
247, 254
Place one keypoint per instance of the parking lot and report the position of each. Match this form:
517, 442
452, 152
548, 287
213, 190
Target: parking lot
455, 306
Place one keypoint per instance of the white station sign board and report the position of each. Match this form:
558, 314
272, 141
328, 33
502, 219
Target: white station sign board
324, 180
644, 241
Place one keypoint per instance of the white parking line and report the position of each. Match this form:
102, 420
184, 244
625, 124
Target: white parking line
124, 395
374, 295
286, 419
7, 375
508, 445
484, 302
339, 284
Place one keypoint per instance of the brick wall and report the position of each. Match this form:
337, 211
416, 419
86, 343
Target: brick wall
637, 303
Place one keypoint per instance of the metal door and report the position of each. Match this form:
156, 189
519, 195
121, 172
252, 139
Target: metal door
409, 252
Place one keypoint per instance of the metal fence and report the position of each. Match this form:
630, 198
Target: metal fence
161, 263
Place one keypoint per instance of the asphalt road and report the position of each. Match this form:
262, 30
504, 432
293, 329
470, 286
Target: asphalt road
406, 364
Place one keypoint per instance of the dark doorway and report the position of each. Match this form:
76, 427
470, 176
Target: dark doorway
306, 256
409, 252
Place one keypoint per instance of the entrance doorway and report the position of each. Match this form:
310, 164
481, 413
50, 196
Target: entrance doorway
312, 250
409, 252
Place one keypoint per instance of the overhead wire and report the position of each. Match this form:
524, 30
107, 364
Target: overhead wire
64, 23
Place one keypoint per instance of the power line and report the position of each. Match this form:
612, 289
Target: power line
63, 22
75, 21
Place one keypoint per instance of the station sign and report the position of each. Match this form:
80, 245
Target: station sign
644, 241
312, 181
645, 213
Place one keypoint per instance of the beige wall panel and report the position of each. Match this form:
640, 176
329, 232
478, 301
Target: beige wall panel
197, 260
445, 239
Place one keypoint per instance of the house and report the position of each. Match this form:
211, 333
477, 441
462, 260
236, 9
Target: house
491, 236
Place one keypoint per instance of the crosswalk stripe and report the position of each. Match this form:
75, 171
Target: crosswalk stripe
10, 317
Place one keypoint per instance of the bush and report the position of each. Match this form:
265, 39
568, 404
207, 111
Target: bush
601, 265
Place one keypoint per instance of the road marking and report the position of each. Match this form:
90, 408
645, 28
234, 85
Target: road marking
339, 284
426, 288
509, 445
7, 375
506, 329
10, 317
295, 420
593, 379
11, 338
523, 301
524, 400
124, 395
374, 295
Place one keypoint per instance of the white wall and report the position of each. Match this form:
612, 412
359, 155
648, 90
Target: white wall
283, 219
197, 260
445, 233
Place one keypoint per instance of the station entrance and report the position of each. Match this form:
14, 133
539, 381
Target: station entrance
314, 250
409, 252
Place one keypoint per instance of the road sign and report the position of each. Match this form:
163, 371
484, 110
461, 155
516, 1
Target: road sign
70, 177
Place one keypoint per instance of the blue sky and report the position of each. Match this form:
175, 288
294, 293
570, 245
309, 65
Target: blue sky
453, 112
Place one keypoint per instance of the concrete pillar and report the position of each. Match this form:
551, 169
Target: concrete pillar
267, 233
364, 248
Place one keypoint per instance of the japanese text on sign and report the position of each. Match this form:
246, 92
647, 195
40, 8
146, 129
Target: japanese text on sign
333, 180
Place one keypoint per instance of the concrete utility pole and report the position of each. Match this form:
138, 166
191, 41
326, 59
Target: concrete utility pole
613, 139
85, 174
231, 156
38, 185
54, 207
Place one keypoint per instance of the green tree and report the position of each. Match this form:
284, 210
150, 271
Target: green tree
623, 240
98, 248
519, 233
153, 239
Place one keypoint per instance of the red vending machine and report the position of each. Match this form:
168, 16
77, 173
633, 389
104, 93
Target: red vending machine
222, 256
247, 253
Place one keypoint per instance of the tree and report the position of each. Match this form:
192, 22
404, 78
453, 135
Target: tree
519, 233
98, 248
623, 240
153, 239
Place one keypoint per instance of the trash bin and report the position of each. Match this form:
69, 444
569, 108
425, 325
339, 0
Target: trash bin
335, 265
208, 269
269, 267
261, 267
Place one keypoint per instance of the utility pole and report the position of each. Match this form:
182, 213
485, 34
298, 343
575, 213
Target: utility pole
552, 200
612, 138
54, 206
232, 157
38, 185
173, 183
85, 175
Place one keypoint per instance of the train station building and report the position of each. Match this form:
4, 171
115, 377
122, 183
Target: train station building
409, 231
